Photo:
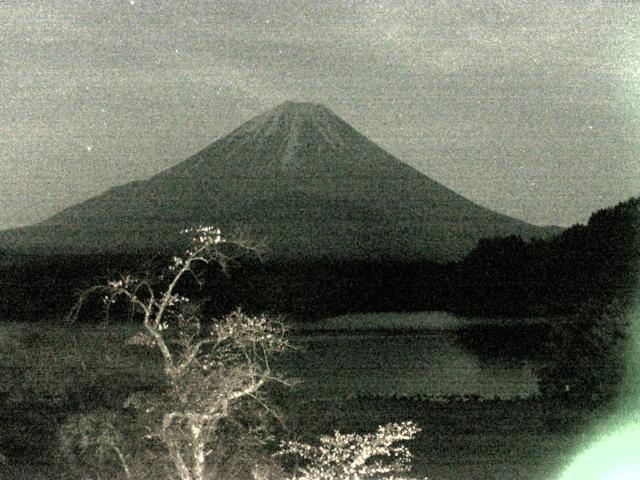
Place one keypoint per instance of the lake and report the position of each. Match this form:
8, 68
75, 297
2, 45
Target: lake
438, 357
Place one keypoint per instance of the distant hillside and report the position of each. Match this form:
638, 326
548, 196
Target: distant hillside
586, 264
298, 177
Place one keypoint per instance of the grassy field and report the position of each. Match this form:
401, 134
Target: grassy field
49, 372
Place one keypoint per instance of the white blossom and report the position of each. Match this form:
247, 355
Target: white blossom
355, 457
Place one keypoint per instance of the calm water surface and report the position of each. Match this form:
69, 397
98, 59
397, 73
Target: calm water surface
426, 363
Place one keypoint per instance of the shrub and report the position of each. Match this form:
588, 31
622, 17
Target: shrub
587, 355
353, 456
91, 442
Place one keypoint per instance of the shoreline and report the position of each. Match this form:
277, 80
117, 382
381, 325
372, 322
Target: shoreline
399, 323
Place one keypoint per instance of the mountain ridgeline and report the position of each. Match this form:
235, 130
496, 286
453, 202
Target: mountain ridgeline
297, 177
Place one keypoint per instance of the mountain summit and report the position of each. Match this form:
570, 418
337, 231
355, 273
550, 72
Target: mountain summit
298, 176
302, 142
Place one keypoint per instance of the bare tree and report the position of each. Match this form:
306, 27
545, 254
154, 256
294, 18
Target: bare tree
209, 366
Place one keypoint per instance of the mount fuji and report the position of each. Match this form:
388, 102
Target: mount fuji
297, 176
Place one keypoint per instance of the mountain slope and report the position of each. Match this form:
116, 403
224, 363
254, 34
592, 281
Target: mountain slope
297, 176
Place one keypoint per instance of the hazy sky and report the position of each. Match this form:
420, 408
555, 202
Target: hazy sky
529, 108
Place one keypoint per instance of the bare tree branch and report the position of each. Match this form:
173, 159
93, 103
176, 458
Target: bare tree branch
207, 373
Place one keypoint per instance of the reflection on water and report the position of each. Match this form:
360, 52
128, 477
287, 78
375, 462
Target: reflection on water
425, 363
